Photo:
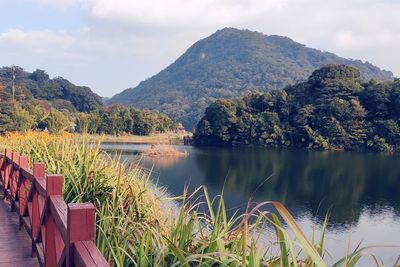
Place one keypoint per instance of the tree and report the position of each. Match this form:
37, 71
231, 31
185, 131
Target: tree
23, 120
56, 122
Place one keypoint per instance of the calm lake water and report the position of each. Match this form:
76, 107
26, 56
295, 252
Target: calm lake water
360, 190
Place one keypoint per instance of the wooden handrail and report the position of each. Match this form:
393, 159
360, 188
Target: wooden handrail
62, 234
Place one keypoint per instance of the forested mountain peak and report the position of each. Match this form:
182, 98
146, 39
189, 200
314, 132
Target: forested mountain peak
226, 65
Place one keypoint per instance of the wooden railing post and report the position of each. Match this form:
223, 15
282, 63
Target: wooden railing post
37, 207
1, 168
7, 170
14, 180
81, 224
53, 241
23, 187
38, 173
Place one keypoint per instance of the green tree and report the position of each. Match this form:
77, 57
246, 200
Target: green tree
23, 119
56, 122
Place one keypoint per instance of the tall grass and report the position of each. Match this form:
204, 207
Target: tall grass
139, 225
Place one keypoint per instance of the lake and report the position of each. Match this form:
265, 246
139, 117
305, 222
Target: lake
361, 191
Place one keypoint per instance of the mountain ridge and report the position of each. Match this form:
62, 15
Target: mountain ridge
225, 65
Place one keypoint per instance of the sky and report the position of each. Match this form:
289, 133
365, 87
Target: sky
110, 45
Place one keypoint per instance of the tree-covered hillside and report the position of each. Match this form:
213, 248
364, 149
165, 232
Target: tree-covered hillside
55, 105
333, 109
227, 64
59, 92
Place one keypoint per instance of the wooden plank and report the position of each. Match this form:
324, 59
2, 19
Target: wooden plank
87, 254
95, 254
15, 245
58, 209
27, 174
27, 225
82, 256
40, 186
16, 205
39, 253
18, 262
29, 207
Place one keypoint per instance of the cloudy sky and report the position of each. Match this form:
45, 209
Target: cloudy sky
110, 45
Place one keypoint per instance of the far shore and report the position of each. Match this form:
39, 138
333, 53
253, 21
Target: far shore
162, 138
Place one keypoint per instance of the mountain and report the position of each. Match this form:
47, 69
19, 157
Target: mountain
58, 92
227, 64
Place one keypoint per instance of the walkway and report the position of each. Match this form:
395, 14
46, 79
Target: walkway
15, 244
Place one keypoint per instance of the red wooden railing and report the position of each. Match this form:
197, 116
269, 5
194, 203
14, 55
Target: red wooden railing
62, 234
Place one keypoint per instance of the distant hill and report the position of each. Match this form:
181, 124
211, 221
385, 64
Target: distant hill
58, 92
225, 65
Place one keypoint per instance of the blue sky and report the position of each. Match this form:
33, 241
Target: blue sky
110, 45
30, 16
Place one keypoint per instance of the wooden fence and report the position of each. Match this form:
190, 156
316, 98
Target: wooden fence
62, 234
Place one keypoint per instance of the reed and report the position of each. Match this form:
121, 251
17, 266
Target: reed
138, 224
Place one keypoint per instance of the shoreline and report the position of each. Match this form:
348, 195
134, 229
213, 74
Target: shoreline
162, 139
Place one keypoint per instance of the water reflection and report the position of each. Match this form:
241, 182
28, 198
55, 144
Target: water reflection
344, 183
361, 191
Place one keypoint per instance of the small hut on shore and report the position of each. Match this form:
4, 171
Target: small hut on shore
180, 129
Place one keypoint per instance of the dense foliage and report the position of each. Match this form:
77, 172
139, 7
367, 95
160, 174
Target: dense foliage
227, 64
333, 109
58, 91
55, 105
118, 119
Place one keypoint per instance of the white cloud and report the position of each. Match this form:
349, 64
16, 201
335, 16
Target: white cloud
181, 13
349, 40
130, 40
35, 39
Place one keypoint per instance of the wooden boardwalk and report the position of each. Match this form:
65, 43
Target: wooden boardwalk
42, 230
15, 244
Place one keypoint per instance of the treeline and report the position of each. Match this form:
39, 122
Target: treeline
119, 119
30, 115
113, 120
333, 110
55, 105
